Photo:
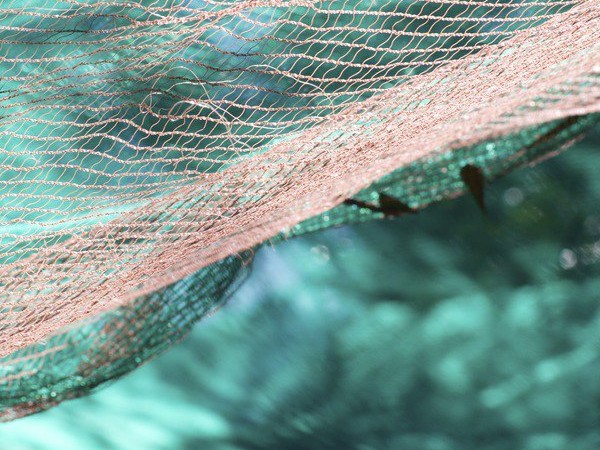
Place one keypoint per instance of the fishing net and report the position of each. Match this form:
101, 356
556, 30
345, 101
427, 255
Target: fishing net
147, 148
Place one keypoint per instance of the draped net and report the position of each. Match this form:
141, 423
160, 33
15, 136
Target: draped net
147, 148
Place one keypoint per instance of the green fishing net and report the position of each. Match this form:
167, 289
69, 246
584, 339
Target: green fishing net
148, 148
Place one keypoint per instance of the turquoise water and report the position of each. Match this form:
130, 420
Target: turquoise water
446, 330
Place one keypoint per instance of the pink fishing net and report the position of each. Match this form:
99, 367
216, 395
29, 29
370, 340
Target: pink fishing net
147, 147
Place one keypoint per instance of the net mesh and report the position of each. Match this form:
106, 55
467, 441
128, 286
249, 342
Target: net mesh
146, 148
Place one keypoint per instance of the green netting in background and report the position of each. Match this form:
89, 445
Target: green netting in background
444, 330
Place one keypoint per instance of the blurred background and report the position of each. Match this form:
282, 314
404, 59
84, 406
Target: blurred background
445, 330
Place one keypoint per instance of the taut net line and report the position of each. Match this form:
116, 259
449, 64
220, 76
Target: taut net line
147, 148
